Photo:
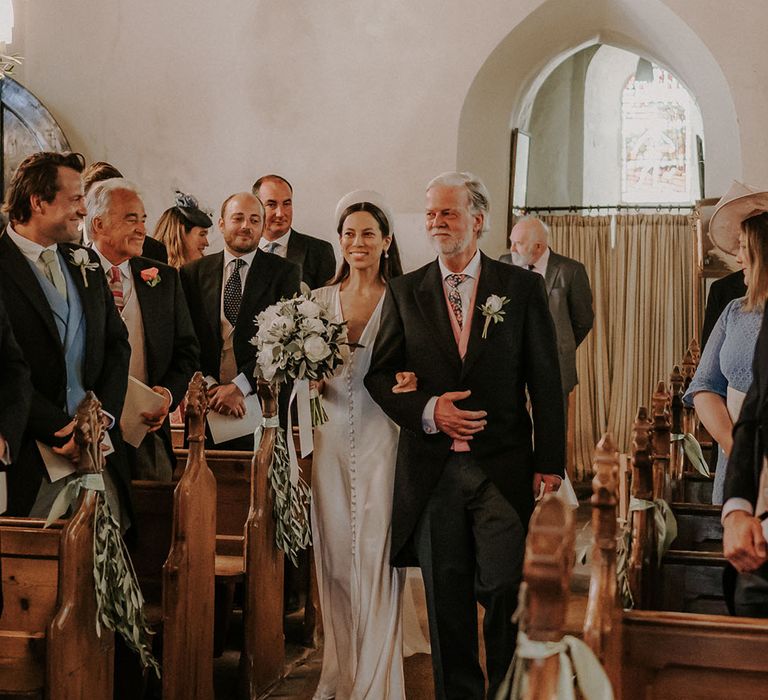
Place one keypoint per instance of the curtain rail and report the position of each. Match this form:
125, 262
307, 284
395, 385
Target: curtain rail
614, 207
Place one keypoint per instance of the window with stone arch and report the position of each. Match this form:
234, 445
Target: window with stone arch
657, 135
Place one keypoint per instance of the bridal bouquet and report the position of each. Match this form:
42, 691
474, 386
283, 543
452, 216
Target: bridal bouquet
297, 341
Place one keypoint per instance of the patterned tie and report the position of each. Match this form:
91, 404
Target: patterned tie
233, 292
116, 287
454, 298
53, 271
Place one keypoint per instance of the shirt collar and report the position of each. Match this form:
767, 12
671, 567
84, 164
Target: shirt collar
471, 270
247, 258
28, 248
540, 265
124, 267
282, 241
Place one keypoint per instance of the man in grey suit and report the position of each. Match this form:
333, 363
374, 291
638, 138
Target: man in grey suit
568, 291
314, 256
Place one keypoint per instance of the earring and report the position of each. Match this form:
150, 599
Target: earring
386, 253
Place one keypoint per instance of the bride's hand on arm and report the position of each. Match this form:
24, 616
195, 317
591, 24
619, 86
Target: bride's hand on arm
406, 381
713, 414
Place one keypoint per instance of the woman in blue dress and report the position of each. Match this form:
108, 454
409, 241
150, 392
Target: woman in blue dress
725, 369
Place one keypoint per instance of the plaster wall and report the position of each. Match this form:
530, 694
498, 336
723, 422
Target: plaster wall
339, 95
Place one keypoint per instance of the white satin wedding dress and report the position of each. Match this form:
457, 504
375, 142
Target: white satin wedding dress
352, 483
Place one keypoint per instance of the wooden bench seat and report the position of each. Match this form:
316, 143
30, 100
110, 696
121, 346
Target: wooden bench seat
173, 556
698, 527
48, 640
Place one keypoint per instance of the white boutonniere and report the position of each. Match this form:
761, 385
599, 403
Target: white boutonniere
493, 310
79, 258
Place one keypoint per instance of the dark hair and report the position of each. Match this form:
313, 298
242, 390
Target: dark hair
98, 172
37, 174
265, 178
389, 264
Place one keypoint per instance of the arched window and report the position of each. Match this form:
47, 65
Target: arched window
6, 22
658, 147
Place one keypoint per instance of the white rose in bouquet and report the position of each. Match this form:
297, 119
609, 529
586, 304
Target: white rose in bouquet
316, 349
309, 309
313, 326
266, 360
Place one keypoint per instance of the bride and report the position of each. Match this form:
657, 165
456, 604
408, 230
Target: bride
353, 473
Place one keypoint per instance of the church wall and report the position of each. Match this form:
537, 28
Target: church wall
336, 96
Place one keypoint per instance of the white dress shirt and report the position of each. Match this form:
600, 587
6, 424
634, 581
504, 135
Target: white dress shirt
31, 250
540, 265
281, 244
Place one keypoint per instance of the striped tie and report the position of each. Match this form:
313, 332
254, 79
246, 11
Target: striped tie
116, 286
454, 298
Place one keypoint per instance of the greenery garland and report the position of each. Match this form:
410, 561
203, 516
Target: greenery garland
119, 602
291, 502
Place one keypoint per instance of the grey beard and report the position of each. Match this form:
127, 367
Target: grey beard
520, 260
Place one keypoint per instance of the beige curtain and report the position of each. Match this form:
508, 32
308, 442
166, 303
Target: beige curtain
588, 239
651, 317
642, 285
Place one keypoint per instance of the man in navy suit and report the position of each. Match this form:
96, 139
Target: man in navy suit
66, 324
467, 467
314, 256
164, 349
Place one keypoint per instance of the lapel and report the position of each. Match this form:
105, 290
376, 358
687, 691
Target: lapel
553, 267
256, 284
297, 248
210, 275
488, 283
16, 267
430, 299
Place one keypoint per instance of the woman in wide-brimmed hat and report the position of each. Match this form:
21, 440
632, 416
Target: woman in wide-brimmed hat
739, 225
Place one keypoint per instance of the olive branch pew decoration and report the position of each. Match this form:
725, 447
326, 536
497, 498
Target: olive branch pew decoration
119, 602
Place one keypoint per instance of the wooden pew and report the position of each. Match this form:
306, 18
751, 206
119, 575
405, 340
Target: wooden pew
174, 558
48, 640
263, 658
667, 654
660, 442
547, 573
232, 474
642, 564
603, 615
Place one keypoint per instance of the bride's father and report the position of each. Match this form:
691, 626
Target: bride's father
467, 467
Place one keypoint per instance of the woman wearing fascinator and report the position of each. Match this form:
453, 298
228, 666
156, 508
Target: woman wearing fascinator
353, 475
183, 229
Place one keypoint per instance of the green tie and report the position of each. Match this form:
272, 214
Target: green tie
53, 271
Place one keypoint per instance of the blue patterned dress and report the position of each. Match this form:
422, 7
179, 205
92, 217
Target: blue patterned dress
727, 362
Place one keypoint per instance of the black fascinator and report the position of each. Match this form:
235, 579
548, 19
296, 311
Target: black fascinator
188, 207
